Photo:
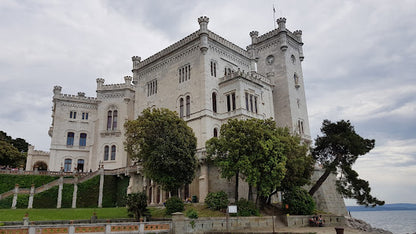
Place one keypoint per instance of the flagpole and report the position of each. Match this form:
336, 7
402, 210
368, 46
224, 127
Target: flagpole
274, 17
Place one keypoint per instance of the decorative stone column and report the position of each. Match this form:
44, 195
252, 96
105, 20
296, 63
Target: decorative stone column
32, 193
74, 194
100, 195
160, 196
61, 185
152, 189
203, 182
16, 192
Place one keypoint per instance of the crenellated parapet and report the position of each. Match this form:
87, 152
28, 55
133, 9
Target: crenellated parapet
203, 35
126, 85
80, 97
192, 37
295, 36
250, 76
227, 44
32, 151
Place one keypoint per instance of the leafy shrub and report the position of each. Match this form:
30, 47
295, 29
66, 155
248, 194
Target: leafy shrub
174, 204
217, 201
246, 208
192, 214
298, 202
137, 204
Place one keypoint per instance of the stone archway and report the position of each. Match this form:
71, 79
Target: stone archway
42, 166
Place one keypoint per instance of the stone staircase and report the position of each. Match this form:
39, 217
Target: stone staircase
82, 177
50, 185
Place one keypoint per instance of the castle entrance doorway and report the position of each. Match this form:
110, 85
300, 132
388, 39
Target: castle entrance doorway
41, 166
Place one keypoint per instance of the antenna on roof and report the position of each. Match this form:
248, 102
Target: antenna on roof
274, 16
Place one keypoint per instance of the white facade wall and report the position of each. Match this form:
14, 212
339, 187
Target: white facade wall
157, 83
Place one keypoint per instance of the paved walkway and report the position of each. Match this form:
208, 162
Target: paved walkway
318, 230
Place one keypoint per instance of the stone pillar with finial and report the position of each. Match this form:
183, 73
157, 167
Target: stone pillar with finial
298, 34
16, 192
32, 193
281, 22
75, 193
203, 33
60, 187
100, 195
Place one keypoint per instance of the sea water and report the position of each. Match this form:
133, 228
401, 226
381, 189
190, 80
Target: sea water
396, 221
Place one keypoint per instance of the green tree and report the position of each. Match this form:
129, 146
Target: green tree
164, 145
19, 143
337, 150
253, 148
8, 149
10, 156
299, 164
137, 204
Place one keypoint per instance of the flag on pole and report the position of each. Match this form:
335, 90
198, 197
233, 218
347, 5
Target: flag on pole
274, 9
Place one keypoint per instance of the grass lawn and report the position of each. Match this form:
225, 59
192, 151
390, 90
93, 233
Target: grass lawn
102, 213
62, 214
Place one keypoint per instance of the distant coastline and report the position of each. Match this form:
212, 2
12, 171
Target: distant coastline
386, 207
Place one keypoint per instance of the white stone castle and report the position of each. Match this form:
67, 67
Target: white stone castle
206, 79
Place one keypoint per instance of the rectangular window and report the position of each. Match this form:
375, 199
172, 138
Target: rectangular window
213, 68
184, 73
70, 138
151, 87
72, 114
251, 103
255, 104
231, 102
228, 102
85, 115
246, 96
67, 165
83, 139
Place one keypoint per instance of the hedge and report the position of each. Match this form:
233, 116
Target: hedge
114, 195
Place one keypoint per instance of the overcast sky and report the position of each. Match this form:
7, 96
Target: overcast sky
360, 63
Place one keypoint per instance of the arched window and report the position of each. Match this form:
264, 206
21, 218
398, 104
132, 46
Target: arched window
113, 152
109, 119
181, 108
214, 102
80, 165
70, 138
82, 139
67, 165
112, 120
106, 152
215, 132
115, 120
188, 106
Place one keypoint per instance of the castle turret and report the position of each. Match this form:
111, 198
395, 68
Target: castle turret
298, 34
203, 33
127, 80
254, 36
57, 90
281, 22
100, 82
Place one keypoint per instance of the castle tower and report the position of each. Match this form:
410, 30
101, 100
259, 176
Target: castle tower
279, 54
